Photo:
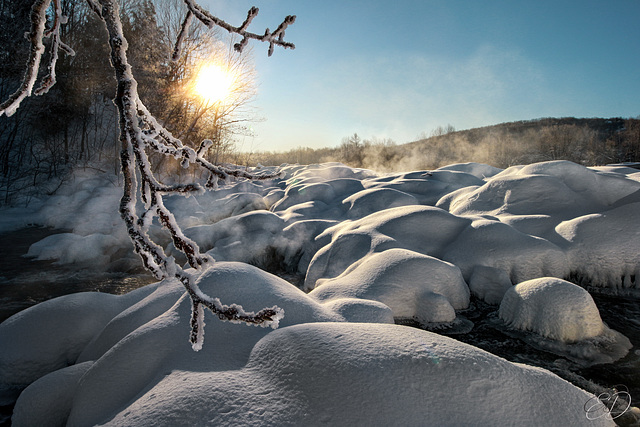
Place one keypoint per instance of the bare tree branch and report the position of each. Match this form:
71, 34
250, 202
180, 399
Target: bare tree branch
139, 132
38, 20
275, 38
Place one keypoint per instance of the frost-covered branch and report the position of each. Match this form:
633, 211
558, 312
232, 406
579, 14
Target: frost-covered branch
36, 35
140, 132
56, 44
93, 5
184, 29
273, 38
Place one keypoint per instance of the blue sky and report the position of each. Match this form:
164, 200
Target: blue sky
394, 69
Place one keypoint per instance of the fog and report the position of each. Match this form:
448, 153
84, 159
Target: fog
584, 141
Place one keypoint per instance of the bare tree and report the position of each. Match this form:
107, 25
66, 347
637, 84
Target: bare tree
351, 150
194, 117
181, 108
141, 132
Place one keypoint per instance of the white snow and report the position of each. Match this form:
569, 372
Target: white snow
413, 285
314, 369
423, 229
527, 221
565, 314
604, 247
70, 248
369, 201
61, 330
553, 308
489, 283
370, 249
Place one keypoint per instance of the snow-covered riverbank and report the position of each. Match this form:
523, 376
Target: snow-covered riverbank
368, 249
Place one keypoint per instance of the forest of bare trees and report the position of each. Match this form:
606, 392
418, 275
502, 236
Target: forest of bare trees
76, 123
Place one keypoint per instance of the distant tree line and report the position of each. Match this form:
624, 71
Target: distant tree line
76, 123
353, 151
588, 142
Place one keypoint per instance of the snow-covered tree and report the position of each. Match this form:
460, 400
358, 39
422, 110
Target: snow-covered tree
140, 135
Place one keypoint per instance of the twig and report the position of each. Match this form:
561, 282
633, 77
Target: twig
139, 132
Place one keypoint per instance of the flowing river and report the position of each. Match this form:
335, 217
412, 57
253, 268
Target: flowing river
25, 282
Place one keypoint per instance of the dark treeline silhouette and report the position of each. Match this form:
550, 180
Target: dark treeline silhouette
590, 142
76, 122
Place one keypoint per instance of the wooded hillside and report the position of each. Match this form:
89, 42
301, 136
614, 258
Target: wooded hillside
592, 141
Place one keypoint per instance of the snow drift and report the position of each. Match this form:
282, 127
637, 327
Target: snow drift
565, 317
369, 249
139, 367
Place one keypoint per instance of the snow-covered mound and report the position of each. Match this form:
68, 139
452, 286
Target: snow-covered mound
559, 188
134, 366
554, 219
413, 285
70, 248
368, 248
563, 312
422, 229
603, 248
553, 308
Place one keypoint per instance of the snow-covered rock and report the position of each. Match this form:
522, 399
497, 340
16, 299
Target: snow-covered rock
411, 377
422, 229
413, 285
602, 249
369, 248
552, 308
369, 201
479, 170
491, 243
69, 248
310, 371
528, 221
52, 335
563, 312
559, 188
489, 283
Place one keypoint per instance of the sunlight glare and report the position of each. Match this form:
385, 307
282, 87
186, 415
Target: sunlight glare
213, 83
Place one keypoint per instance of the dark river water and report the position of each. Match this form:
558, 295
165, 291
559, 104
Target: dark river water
619, 313
24, 282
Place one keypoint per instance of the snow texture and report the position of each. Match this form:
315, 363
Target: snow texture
413, 285
140, 369
565, 314
553, 308
370, 249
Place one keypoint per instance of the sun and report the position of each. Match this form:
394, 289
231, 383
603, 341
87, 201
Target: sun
213, 83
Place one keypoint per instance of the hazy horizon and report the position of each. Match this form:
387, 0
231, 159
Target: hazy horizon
395, 71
